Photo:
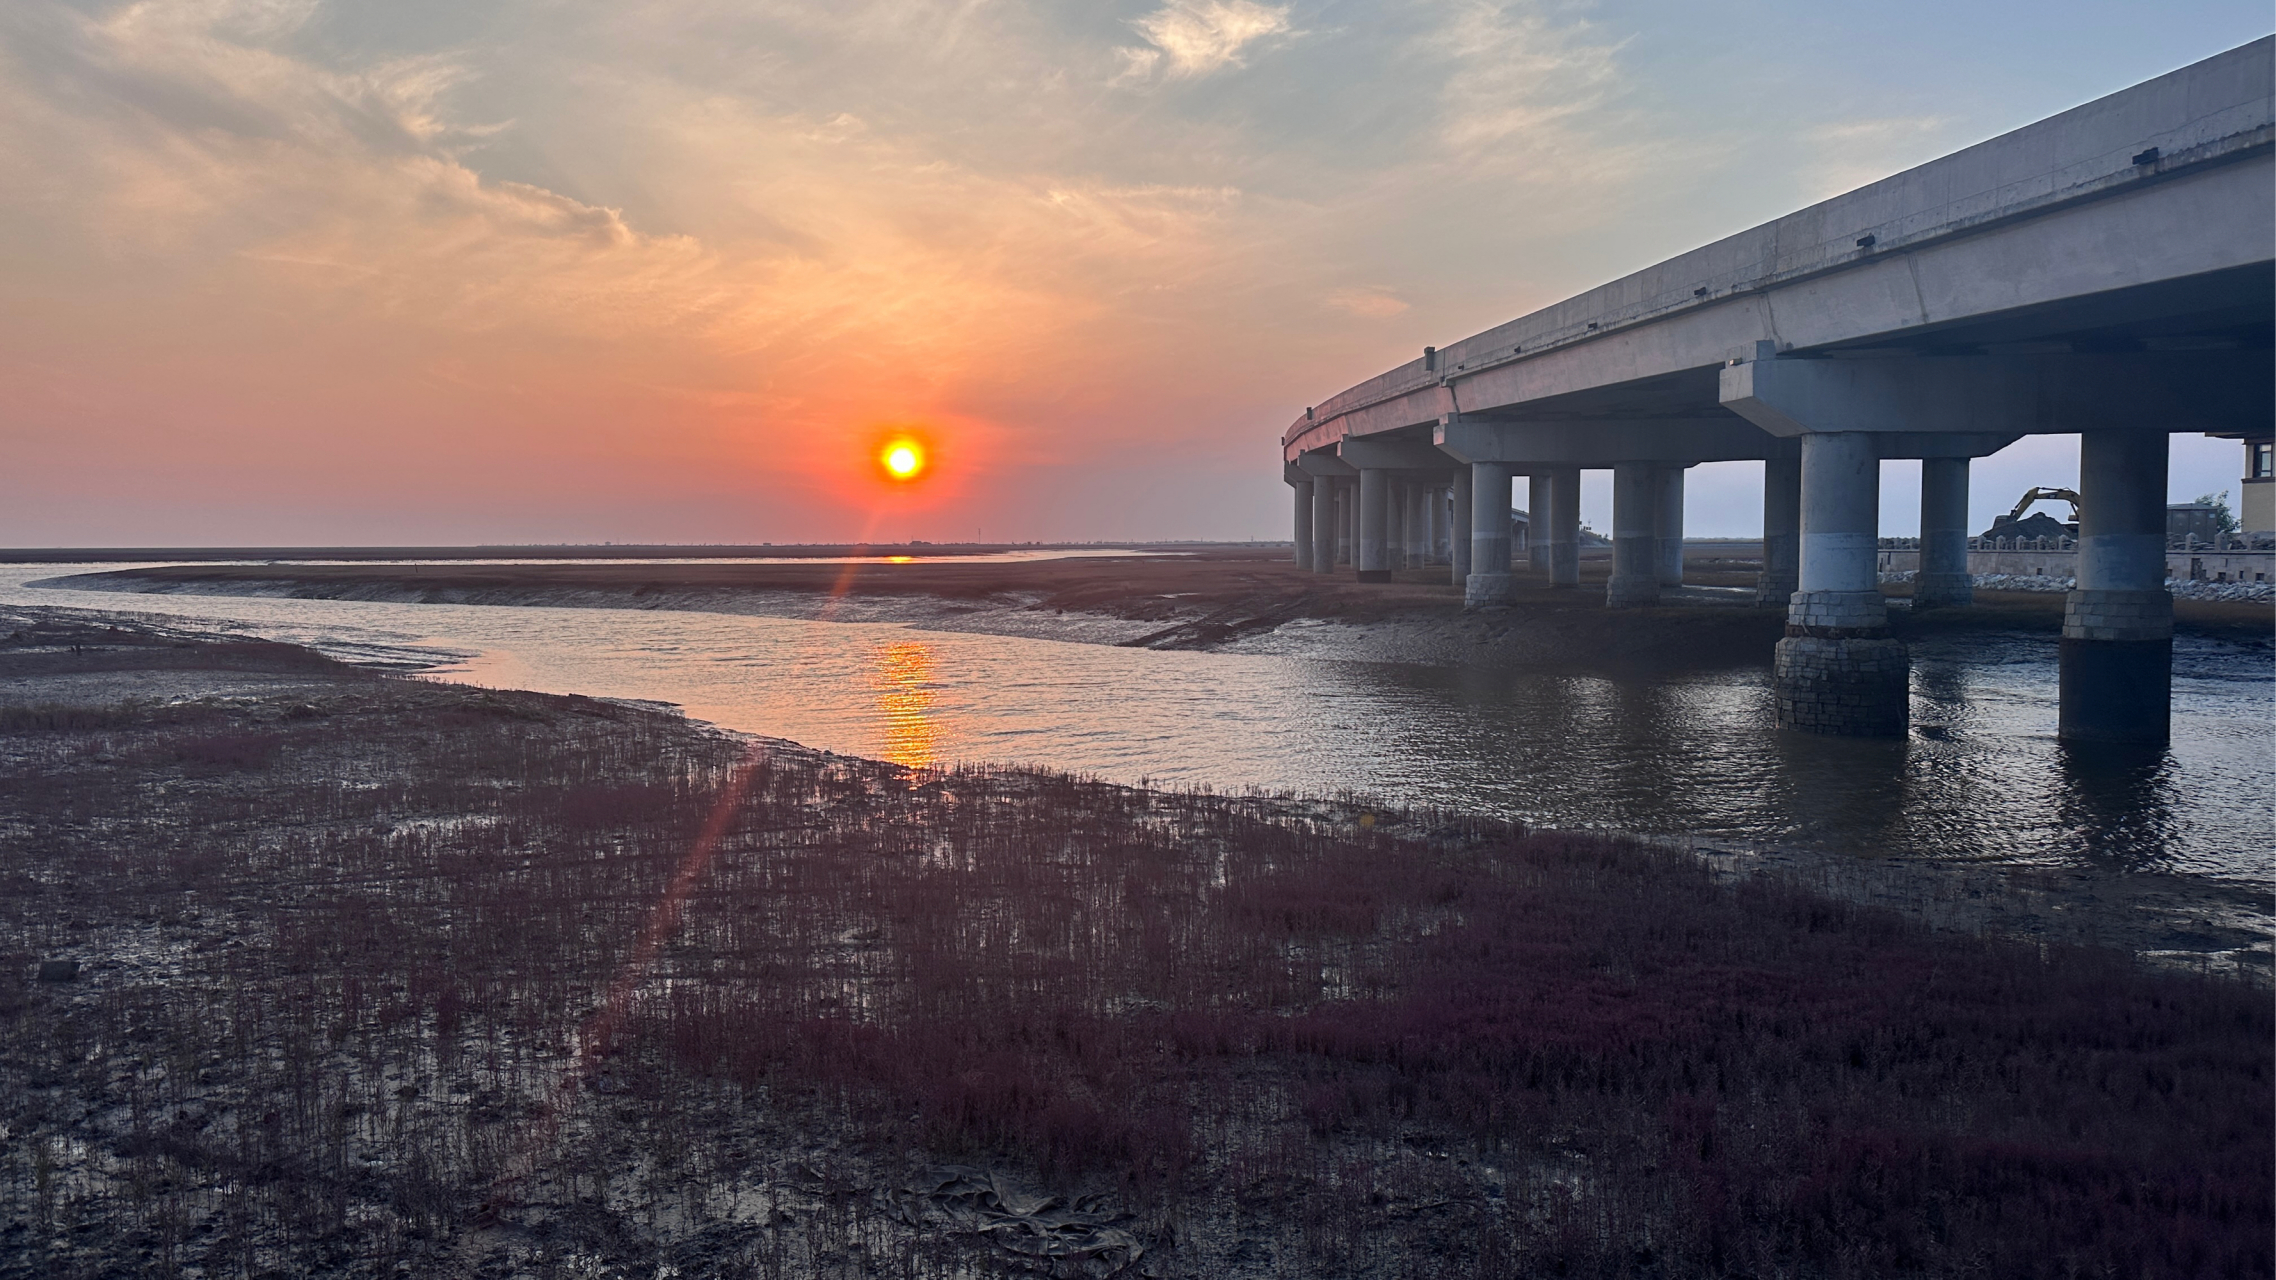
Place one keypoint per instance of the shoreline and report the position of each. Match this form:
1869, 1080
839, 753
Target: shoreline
2171, 917
2191, 917
1224, 599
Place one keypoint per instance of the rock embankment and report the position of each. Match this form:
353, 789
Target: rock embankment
2182, 588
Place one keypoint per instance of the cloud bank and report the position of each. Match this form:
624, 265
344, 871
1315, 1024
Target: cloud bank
289, 270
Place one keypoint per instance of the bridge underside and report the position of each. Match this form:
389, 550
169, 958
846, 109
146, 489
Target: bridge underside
2220, 325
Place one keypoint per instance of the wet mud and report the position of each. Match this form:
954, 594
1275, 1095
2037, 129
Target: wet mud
311, 969
1226, 598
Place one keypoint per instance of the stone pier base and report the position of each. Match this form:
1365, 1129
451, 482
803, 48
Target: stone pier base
2117, 667
1632, 591
1564, 564
2118, 615
1488, 591
1776, 590
1943, 591
1838, 670
1857, 686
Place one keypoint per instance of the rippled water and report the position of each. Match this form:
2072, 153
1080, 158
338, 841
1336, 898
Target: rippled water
1982, 776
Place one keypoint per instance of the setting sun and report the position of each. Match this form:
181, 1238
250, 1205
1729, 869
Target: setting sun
903, 459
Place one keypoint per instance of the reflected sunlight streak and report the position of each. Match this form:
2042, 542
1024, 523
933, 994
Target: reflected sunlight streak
901, 676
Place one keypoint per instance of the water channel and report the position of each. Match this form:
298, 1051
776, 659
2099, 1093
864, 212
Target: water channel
1691, 754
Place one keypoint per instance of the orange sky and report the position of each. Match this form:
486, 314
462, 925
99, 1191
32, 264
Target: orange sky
281, 271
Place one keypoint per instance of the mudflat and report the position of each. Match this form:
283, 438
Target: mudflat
1184, 597
308, 968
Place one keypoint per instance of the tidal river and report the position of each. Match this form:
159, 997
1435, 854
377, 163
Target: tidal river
1691, 755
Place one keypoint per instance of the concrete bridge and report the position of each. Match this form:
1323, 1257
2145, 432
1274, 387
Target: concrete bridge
2108, 271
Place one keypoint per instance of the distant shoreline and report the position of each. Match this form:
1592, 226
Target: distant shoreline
1213, 597
1216, 598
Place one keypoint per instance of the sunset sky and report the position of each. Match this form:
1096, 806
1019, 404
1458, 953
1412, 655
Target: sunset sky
432, 271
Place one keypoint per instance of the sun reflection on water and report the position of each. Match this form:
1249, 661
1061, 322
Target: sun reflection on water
901, 675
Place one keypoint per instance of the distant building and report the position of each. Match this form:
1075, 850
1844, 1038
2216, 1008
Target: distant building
2199, 520
2256, 505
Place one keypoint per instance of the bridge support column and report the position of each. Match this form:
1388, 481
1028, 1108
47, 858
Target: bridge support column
2117, 649
1324, 512
1839, 670
1303, 538
1943, 579
1635, 537
1669, 526
1781, 532
1564, 531
1537, 522
1347, 526
1418, 537
1489, 584
1394, 525
1458, 531
1418, 524
1417, 556
1374, 525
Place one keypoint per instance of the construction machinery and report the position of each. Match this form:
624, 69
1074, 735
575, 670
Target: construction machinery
2005, 526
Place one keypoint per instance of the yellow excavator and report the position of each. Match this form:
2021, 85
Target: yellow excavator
2001, 525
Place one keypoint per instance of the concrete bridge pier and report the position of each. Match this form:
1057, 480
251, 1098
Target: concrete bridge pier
1347, 521
1839, 670
2117, 647
1635, 536
1564, 527
1329, 476
1303, 535
1458, 534
1418, 524
1782, 532
1489, 584
1943, 580
1418, 542
1668, 525
1537, 521
1395, 524
1373, 534
1399, 525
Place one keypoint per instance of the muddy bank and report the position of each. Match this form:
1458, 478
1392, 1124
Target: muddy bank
1238, 599
310, 969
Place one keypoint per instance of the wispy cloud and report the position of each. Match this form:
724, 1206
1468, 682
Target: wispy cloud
1196, 37
691, 273
1511, 73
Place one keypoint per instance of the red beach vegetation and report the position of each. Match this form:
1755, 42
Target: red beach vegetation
372, 971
